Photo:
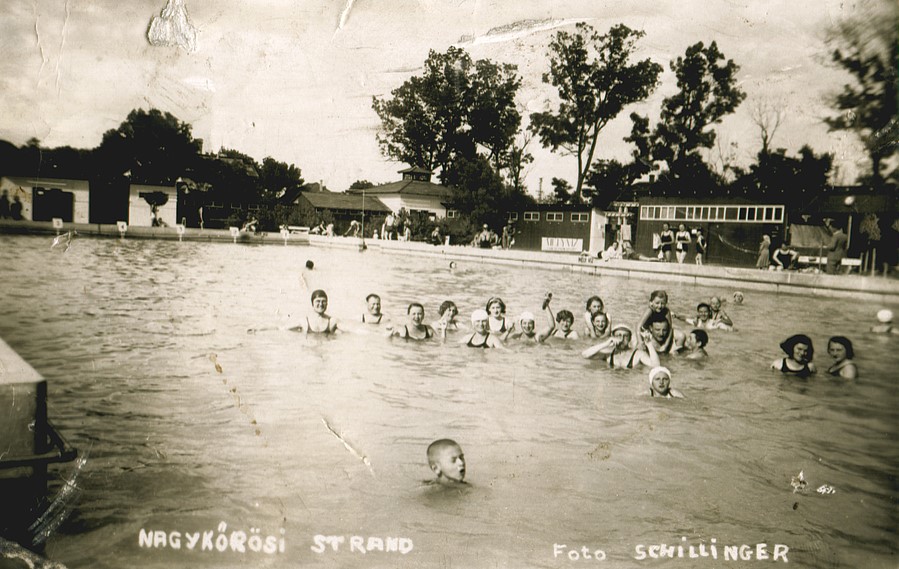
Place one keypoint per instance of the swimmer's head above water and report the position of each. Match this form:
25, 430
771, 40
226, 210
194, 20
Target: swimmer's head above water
527, 322
738, 297
446, 460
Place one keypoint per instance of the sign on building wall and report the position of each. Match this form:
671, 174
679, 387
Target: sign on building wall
562, 244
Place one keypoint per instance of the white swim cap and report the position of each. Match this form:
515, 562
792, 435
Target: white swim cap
622, 327
656, 371
479, 314
885, 315
525, 316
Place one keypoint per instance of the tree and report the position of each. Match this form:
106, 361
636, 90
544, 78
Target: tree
595, 81
154, 147
610, 179
361, 185
867, 47
517, 159
778, 178
561, 191
275, 176
708, 91
446, 114
480, 195
768, 117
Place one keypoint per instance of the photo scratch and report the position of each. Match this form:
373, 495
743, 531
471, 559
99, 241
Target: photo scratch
349, 447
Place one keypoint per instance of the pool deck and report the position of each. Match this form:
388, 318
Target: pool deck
854, 286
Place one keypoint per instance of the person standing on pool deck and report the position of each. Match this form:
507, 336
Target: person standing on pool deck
447, 462
764, 258
666, 242
481, 337
799, 351
683, 240
701, 247
836, 251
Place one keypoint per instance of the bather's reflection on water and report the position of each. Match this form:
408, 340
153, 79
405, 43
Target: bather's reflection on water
192, 422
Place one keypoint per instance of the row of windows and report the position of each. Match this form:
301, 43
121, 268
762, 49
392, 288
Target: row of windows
734, 213
550, 216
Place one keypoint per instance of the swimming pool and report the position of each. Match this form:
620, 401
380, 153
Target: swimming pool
560, 451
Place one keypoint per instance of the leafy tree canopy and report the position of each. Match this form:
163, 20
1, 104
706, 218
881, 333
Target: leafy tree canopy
707, 91
456, 107
152, 146
867, 48
595, 81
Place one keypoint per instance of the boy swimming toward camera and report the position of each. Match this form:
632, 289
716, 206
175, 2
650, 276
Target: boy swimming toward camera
446, 460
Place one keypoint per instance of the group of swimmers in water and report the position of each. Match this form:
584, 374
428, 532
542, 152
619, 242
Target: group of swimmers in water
616, 344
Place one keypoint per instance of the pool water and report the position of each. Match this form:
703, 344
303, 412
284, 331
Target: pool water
188, 421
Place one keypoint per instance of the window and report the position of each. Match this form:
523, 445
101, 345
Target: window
253, 207
513, 216
452, 214
554, 216
532, 216
580, 217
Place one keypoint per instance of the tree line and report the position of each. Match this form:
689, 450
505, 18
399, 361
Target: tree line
460, 118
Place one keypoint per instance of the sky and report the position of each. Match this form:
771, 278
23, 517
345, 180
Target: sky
295, 79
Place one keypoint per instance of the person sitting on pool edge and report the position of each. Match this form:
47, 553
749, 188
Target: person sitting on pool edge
447, 462
784, 258
799, 351
660, 384
618, 352
481, 337
694, 345
840, 349
414, 329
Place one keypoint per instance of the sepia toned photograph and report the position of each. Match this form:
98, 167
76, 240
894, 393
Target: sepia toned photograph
449, 284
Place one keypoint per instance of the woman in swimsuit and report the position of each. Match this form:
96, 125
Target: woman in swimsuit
593, 307
666, 240
565, 320
799, 351
598, 327
618, 352
660, 384
481, 337
496, 309
683, 242
447, 321
414, 329
319, 322
840, 349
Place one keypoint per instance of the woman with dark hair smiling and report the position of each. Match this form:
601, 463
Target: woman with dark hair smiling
799, 351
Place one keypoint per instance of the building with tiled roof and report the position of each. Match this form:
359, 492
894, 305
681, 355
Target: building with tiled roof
414, 193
